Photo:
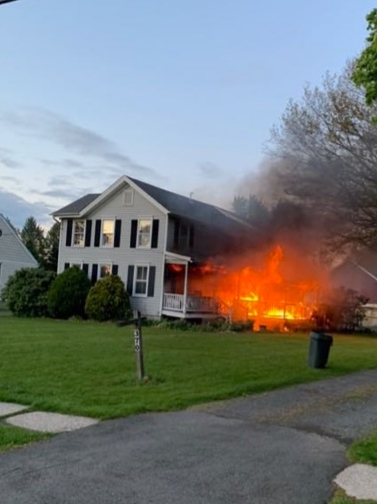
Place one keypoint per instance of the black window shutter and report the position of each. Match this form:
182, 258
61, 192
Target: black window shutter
97, 233
176, 233
118, 225
94, 272
66, 266
85, 268
191, 237
68, 238
155, 233
114, 269
152, 277
130, 279
88, 232
133, 233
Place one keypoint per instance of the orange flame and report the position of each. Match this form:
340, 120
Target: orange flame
260, 292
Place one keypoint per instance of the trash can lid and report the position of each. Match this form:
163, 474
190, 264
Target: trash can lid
321, 336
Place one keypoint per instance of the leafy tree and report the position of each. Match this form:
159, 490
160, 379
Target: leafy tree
25, 292
107, 300
365, 72
67, 294
325, 158
52, 247
33, 238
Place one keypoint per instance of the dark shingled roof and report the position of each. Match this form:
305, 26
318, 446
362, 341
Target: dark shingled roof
192, 209
76, 206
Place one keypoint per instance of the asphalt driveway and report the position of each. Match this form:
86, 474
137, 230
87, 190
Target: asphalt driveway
281, 447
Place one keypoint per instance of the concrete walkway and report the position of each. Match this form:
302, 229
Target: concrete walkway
7, 409
359, 481
41, 421
283, 447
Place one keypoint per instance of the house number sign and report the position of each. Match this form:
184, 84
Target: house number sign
137, 339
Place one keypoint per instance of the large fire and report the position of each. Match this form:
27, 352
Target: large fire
271, 289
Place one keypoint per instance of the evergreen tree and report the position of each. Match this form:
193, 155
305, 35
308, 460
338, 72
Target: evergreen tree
33, 238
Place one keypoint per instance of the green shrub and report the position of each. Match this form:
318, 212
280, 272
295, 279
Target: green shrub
25, 292
107, 300
67, 295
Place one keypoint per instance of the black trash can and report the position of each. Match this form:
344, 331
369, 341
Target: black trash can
319, 349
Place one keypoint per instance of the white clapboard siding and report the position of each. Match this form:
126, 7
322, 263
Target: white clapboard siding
13, 253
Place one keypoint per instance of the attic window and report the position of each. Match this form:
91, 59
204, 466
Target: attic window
128, 197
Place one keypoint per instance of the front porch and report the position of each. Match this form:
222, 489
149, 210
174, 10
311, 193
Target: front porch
190, 306
186, 294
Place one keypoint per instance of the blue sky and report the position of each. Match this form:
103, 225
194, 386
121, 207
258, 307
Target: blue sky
179, 93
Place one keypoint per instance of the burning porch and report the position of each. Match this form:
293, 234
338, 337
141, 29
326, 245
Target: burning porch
268, 289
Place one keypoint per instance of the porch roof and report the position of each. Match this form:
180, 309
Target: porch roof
173, 258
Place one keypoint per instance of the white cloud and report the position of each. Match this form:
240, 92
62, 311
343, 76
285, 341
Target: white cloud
73, 138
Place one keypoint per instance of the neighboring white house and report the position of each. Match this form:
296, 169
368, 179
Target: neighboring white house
13, 253
154, 239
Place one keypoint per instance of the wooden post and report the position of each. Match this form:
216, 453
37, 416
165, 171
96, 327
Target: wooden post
185, 291
138, 346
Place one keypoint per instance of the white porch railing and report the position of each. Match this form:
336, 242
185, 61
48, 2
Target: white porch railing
196, 304
173, 302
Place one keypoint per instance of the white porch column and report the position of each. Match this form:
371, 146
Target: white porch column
185, 289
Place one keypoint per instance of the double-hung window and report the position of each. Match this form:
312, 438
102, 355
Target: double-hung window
144, 233
104, 270
140, 287
78, 233
107, 236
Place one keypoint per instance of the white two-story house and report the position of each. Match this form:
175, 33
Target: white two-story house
13, 253
154, 239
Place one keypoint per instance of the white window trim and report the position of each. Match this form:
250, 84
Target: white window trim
140, 265
101, 235
144, 247
73, 233
132, 193
108, 263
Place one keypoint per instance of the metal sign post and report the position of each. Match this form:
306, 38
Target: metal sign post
138, 339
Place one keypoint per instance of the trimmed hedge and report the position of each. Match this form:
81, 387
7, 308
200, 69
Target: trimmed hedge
107, 300
67, 295
25, 292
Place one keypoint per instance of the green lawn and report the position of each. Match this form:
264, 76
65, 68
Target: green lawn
88, 368
11, 437
341, 498
364, 450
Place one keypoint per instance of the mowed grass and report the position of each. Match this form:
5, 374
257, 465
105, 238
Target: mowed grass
364, 450
11, 437
341, 498
89, 369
